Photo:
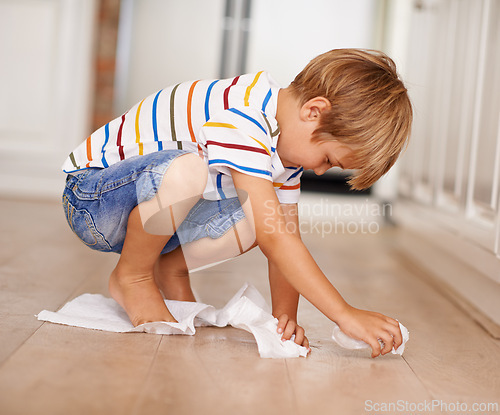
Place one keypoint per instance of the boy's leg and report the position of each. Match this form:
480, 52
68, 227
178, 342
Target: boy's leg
132, 283
239, 239
172, 269
172, 276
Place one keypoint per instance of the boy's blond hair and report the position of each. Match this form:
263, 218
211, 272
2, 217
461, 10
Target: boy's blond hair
370, 111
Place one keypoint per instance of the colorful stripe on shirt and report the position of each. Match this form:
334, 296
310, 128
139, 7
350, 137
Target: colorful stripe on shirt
106, 139
119, 139
73, 161
154, 120
207, 100
266, 101
261, 144
294, 187
249, 89
273, 133
172, 117
89, 151
226, 93
237, 147
219, 186
137, 131
189, 120
241, 114
220, 125
244, 168
299, 170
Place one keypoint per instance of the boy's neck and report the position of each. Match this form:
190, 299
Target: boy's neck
286, 107
287, 115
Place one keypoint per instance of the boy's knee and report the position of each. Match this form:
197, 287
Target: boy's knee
188, 172
184, 182
182, 186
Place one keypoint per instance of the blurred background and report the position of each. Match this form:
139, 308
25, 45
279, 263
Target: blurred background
69, 66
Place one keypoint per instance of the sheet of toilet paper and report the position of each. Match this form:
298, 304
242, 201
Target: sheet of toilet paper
247, 310
349, 343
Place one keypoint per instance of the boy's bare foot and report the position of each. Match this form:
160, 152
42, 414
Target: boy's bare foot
139, 296
172, 277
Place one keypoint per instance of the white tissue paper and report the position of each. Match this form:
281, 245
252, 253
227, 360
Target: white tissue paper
247, 310
349, 343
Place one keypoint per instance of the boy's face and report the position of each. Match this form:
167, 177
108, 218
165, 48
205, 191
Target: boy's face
296, 146
319, 156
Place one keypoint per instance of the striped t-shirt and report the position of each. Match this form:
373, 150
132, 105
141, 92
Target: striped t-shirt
231, 123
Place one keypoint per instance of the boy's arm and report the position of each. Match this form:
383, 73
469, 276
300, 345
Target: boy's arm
285, 298
285, 250
285, 301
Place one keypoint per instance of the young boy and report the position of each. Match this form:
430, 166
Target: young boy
204, 171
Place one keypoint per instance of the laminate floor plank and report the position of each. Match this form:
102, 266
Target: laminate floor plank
217, 371
61, 370
26, 224
451, 354
41, 276
15, 329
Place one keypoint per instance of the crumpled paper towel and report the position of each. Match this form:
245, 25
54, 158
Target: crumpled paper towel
349, 343
247, 310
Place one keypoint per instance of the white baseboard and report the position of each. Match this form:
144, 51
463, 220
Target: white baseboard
466, 270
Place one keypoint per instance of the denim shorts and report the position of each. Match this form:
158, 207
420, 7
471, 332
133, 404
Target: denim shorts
97, 203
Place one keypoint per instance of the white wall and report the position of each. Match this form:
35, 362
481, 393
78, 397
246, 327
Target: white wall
286, 35
173, 41
166, 42
45, 79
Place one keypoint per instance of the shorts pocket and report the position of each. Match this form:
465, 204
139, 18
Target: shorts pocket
82, 224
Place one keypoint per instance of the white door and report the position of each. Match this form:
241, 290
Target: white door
46, 83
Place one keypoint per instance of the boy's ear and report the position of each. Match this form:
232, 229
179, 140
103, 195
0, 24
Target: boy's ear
313, 108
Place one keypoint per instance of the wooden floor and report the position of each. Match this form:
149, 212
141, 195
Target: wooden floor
53, 369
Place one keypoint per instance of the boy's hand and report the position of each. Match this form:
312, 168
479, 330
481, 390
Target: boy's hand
288, 327
371, 327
